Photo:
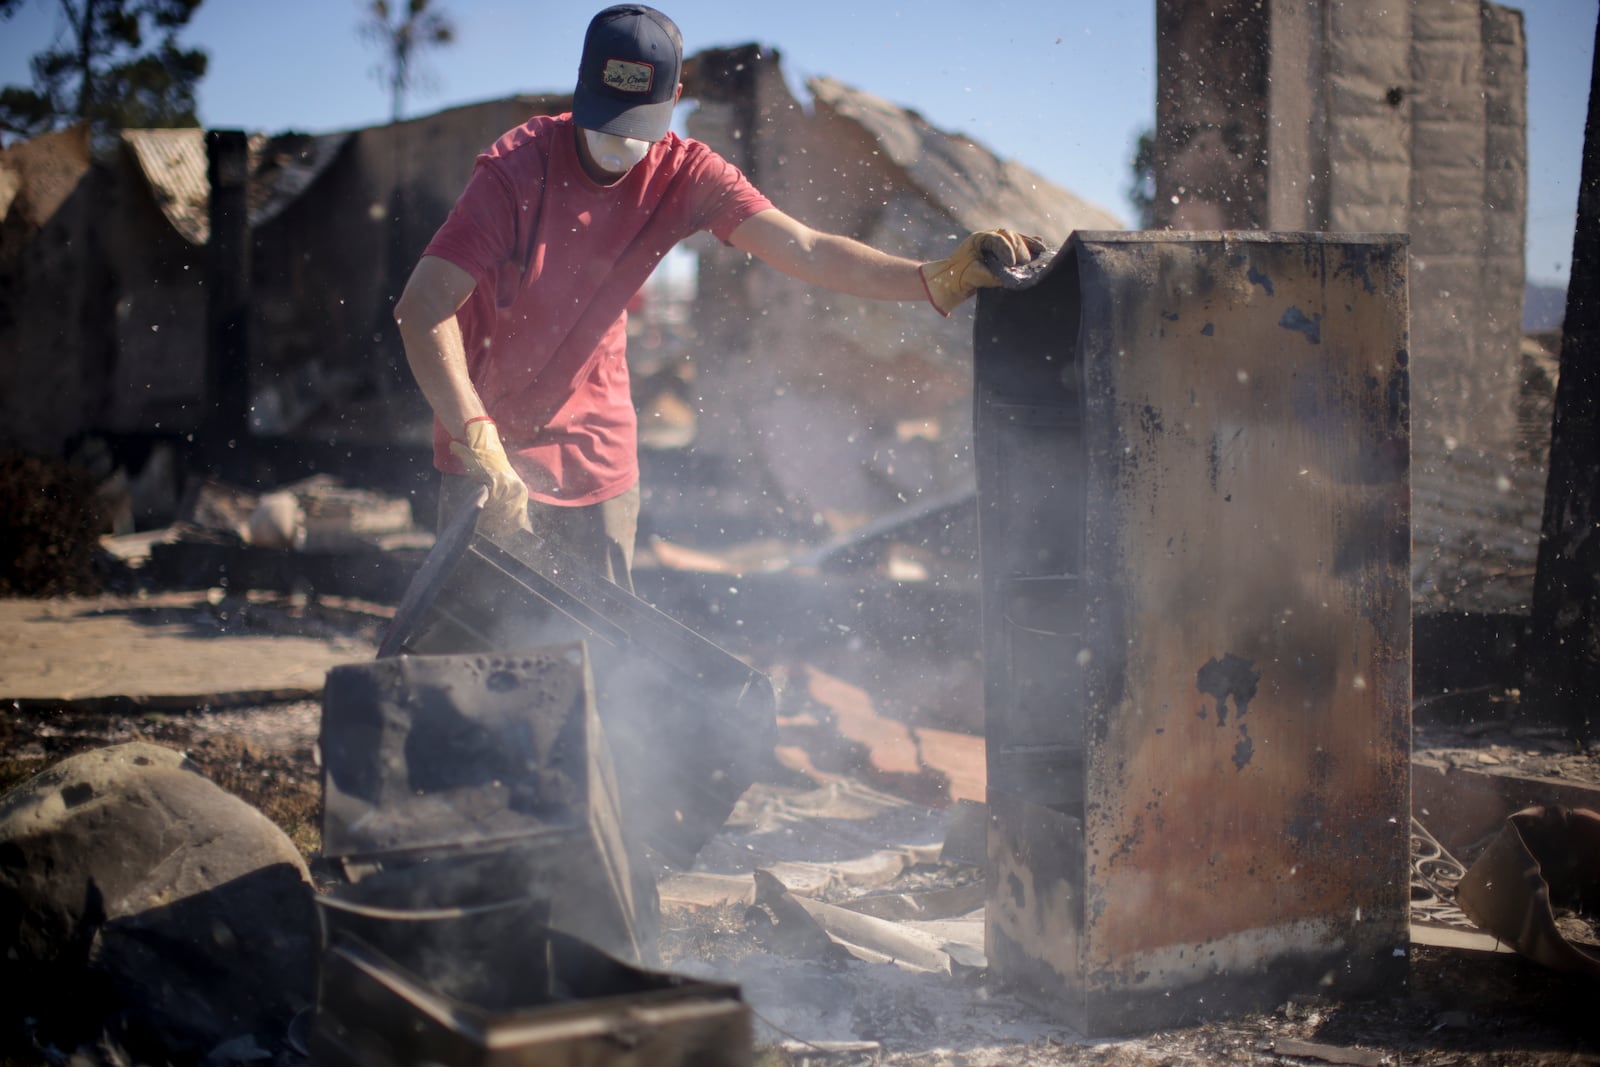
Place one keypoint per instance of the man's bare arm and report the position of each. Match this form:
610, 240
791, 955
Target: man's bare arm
838, 263
426, 315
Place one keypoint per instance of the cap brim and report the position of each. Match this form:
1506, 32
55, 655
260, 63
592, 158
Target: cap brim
605, 114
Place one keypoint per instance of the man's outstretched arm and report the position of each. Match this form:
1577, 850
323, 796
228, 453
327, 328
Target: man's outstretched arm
848, 266
839, 263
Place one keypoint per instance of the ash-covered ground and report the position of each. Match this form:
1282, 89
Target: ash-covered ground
1457, 1007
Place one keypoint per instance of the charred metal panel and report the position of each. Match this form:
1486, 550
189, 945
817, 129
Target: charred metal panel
689, 726
1193, 471
470, 781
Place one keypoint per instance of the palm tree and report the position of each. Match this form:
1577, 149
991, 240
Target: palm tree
402, 30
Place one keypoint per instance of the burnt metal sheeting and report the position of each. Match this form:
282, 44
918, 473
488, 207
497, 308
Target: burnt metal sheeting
468, 781
531, 997
1543, 864
1193, 476
688, 725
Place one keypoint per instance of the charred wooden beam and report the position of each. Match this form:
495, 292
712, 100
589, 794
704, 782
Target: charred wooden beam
227, 388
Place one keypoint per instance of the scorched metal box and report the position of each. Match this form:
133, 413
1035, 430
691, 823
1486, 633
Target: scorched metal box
688, 725
1193, 476
463, 781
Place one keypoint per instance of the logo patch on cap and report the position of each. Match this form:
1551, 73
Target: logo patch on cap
628, 76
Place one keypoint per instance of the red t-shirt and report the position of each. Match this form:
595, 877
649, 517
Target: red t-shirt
557, 258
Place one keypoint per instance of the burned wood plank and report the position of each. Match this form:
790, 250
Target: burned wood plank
227, 294
1340, 1054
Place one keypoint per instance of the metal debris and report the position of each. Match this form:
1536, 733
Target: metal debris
1544, 865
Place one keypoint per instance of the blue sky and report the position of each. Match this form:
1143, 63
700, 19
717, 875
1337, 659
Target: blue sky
1063, 86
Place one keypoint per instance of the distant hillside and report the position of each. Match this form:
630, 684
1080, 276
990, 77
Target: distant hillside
1543, 307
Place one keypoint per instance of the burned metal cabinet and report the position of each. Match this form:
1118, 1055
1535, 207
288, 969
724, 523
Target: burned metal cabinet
1193, 474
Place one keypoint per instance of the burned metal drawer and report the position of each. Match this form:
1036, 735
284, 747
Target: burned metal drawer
528, 997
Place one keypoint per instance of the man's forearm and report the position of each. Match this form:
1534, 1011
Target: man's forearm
439, 364
839, 263
848, 266
426, 315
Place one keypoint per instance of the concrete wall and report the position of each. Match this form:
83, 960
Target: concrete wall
1212, 98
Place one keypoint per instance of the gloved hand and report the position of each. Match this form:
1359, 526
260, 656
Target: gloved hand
953, 279
486, 462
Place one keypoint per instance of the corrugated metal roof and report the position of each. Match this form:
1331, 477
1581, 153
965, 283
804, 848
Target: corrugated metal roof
173, 161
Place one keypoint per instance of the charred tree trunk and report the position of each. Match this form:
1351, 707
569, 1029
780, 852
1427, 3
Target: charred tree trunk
1564, 656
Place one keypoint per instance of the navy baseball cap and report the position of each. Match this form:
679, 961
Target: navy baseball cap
628, 77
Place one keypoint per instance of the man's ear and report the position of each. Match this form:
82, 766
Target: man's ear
678, 95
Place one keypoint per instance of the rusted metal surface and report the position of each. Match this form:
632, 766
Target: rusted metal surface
533, 997
1194, 526
689, 726
478, 781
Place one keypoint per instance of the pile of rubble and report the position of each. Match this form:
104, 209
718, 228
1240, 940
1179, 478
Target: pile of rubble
826, 904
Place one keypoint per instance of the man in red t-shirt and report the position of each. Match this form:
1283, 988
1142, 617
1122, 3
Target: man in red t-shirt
514, 320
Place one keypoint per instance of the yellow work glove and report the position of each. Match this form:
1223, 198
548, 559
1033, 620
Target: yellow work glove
953, 279
481, 452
